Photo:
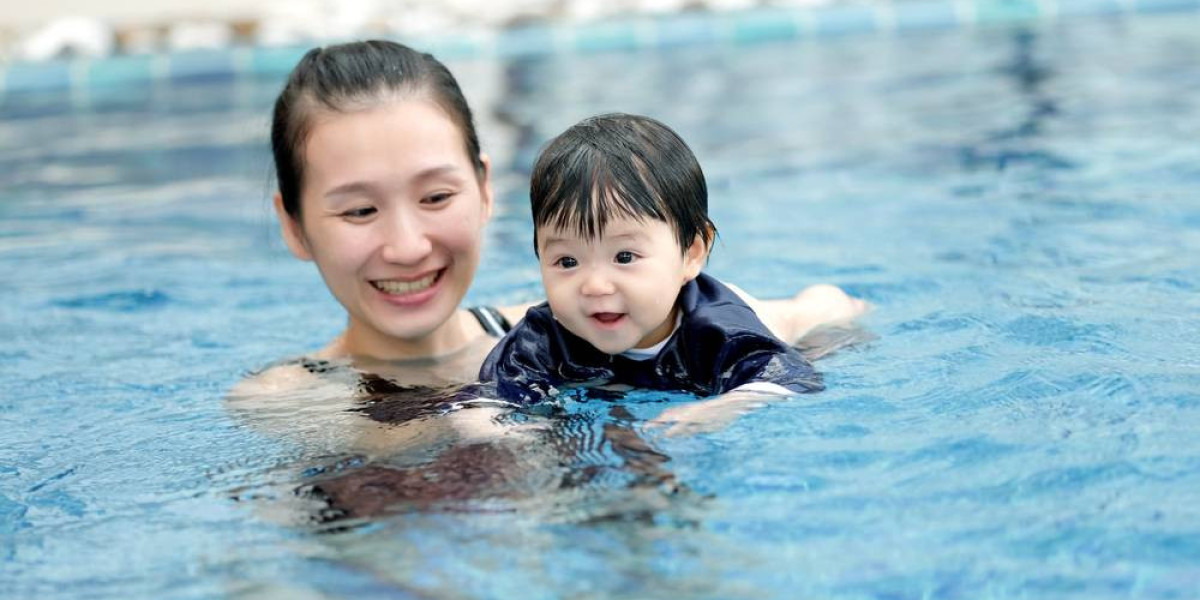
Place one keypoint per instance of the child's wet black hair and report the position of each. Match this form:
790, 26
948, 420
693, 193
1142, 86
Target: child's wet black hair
357, 76
619, 165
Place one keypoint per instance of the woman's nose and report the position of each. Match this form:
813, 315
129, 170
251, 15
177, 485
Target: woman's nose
406, 242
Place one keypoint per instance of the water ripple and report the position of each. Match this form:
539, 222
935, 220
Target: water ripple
124, 301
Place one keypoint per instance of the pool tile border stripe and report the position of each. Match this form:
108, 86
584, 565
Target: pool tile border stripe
640, 33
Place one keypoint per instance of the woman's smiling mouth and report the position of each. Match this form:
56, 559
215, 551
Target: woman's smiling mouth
396, 287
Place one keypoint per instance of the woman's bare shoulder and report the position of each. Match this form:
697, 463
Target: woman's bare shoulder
273, 382
516, 312
292, 382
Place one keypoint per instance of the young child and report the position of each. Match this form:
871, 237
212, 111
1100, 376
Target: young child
621, 230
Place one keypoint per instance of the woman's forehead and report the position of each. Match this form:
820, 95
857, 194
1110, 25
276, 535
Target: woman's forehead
399, 138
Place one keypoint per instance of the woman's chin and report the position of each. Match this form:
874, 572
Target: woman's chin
416, 323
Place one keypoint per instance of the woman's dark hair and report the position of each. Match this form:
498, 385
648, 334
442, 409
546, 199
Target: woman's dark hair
619, 165
356, 76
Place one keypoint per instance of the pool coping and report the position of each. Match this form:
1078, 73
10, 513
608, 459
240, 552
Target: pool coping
750, 26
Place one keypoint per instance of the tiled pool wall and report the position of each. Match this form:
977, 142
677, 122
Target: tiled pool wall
745, 27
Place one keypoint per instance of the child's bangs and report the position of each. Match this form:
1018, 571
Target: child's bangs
586, 198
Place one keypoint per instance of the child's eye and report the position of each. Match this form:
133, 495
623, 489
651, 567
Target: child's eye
567, 262
624, 257
359, 213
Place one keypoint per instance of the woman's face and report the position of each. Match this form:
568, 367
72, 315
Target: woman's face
392, 214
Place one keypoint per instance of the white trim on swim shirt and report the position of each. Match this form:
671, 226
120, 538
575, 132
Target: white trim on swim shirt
652, 351
757, 387
764, 387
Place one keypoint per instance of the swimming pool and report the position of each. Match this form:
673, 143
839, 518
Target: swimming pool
1019, 203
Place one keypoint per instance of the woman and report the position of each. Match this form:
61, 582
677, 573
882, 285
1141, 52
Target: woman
382, 184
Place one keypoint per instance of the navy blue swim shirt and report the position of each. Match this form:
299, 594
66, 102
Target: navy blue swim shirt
720, 344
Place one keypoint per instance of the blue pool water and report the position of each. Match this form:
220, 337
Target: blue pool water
1021, 205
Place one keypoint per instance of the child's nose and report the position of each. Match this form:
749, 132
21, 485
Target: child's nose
596, 283
406, 242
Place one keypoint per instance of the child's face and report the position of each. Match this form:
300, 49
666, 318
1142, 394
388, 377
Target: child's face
617, 292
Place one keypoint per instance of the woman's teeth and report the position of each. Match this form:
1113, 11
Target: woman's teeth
400, 288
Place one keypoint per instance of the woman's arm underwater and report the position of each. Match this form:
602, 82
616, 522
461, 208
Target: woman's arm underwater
713, 414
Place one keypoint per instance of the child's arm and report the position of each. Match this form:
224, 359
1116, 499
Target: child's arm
788, 318
792, 318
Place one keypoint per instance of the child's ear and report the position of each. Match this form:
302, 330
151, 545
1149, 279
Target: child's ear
293, 233
694, 258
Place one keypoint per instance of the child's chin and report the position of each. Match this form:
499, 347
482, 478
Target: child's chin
609, 348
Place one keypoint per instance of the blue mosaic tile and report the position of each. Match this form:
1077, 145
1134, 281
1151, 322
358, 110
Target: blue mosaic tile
602, 37
120, 70
839, 20
451, 48
275, 61
526, 41
1006, 11
916, 14
1154, 6
25, 76
685, 30
206, 64
756, 25
1068, 8
765, 26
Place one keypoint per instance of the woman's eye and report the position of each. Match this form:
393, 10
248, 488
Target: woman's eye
567, 262
359, 213
624, 257
438, 198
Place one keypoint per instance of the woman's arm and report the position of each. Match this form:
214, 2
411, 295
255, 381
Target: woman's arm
712, 414
323, 413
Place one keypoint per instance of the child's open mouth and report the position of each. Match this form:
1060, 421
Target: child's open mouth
608, 318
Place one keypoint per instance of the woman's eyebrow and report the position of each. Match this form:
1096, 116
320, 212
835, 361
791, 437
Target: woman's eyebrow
350, 189
437, 171
366, 188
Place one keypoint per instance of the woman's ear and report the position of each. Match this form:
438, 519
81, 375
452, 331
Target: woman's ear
694, 258
293, 233
485, 186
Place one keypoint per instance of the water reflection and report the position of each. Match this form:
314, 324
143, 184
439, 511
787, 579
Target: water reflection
392, 448
1016, 144
580, 459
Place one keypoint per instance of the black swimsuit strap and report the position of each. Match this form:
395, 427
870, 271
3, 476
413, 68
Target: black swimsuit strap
491, 320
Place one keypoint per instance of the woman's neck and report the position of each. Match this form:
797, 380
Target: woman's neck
360, 341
